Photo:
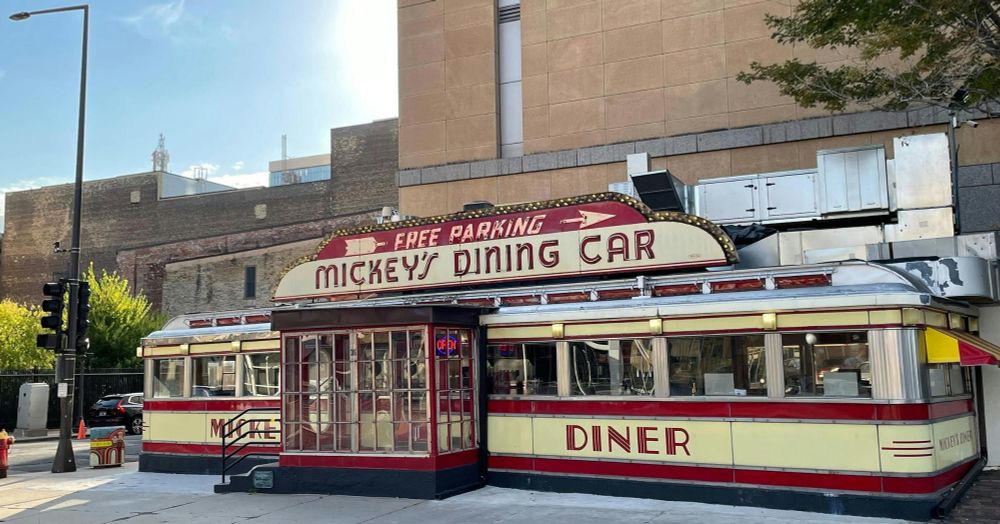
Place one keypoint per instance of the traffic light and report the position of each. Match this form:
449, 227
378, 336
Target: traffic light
82, 312
53, 305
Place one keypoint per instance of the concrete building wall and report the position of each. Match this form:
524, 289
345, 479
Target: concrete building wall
218, 283
125, 214
447, 81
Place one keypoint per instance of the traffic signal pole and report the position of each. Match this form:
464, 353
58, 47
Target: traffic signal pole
66, 363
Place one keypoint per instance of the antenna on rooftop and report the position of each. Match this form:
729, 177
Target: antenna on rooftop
161, 157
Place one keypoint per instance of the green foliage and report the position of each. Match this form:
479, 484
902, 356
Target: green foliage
19, 326
942, 46
118, 320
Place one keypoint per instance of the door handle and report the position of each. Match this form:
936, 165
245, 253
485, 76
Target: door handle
771, 208
751, 210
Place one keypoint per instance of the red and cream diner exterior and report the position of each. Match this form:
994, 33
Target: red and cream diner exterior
585, 345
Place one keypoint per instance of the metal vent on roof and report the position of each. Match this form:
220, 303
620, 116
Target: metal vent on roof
509, 13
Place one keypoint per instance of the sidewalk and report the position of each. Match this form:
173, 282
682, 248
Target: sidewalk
124, 494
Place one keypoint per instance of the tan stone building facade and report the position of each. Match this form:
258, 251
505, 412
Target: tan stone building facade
600, 79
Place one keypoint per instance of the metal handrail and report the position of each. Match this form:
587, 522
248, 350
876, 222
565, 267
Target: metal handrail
235, 428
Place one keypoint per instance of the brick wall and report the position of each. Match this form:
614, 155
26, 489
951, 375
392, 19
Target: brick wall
218, 283
111, 223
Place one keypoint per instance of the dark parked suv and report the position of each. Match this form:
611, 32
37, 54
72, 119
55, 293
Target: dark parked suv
117, 410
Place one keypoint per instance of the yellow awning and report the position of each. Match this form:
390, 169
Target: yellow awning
946, 346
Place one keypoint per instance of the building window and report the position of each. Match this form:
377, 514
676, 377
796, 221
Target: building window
250, 282
511, 118
523, 369
261, 374
213, 376
947, 379
168, 378
456, 399
611, 367
827, 364
370, 400
717, 365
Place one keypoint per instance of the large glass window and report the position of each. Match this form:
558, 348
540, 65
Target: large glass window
827, 364
372, 398
717, 365
947, 379
168, 377
213, 376
456, 398
522, 369
611, 367
261, 373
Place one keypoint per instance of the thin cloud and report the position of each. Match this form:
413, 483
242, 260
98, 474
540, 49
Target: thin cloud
238, 166
209, 168
242, 180
156, 19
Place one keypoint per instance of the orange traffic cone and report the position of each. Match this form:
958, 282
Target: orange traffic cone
81, 433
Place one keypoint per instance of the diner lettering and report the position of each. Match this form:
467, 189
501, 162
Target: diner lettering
601, 236
956, 439
253, 429
646, 440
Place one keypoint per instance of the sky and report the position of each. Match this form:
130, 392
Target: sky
221, 79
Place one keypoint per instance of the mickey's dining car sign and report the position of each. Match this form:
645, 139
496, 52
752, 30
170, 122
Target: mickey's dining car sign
596, 234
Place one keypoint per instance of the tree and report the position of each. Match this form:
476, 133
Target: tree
118, 320
19, 325
949, 53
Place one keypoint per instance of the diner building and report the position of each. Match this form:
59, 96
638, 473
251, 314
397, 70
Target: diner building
612, 344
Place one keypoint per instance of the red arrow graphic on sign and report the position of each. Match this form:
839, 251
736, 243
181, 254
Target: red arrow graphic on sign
588, 218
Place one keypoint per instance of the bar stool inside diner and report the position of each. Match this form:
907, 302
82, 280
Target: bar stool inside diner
579, 345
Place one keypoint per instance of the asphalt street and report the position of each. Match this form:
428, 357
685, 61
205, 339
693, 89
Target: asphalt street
36, 456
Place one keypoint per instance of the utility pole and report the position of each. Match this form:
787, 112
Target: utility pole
65, 367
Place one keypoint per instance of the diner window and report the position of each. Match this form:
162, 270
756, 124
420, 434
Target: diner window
261, 372
827, 364
213, 376
456, 398
947, 379
522, 369
731, 365
168, 377
371, 399
611, 367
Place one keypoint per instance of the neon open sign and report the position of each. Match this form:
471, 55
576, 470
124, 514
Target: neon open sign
446, 345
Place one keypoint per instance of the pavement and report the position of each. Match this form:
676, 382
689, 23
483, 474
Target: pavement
124, 494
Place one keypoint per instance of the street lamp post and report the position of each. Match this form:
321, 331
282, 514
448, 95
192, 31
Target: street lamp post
64, 460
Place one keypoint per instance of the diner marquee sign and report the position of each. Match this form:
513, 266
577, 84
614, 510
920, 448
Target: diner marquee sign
599, 234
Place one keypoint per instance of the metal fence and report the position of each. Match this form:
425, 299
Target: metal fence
96, 383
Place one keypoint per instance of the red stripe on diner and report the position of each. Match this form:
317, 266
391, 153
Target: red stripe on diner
926, 484
221, 404
804, 410
201, 449
620, 469
831, 481
459, 458
810, 480
610, 407
761, 409
952, 407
